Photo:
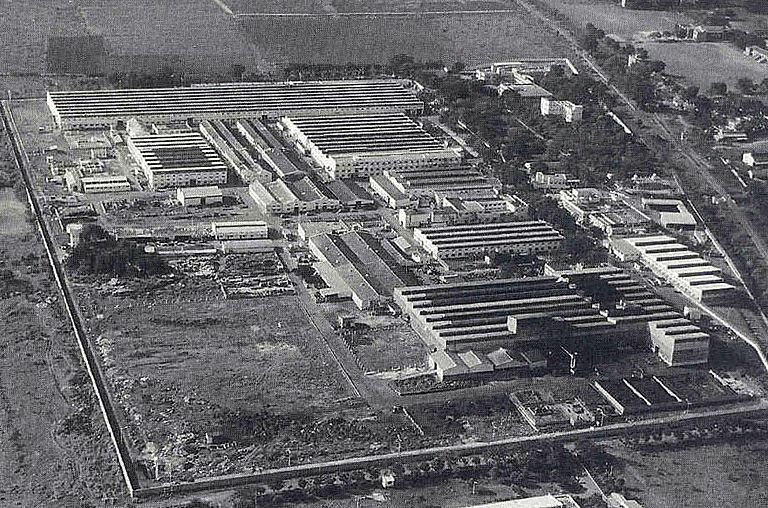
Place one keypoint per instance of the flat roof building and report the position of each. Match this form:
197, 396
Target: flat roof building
548, 501
240, 230
105, 183
102, 108
178, 160
199, 196
670, 213
364, 145
461, 241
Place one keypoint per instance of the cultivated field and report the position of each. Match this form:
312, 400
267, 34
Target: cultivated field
473, 38
611, 17
197, 36
25, 27
347, 6
705, 62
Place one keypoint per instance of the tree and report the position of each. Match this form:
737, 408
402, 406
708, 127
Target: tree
718, 88
458, 67
746, 85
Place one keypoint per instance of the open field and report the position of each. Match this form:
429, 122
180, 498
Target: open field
706, 476
54, 450
611, 17
703, 63
471, 38
198, 37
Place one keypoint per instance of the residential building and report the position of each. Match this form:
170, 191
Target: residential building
755, 159
567, 110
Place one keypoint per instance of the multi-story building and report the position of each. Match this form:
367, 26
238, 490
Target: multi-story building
104, 183
567, 110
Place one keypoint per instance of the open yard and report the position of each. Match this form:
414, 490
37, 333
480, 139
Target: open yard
472, 38
347, 6
703, 63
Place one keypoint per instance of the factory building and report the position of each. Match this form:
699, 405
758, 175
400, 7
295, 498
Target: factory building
269, 148
461, 241
350, 266
286, 198
178, 160
387, 191
105, 108
670, 213
199, 196
240, 230
676, 339
221, 137
359, 146
439, 182
104, 183
685, 270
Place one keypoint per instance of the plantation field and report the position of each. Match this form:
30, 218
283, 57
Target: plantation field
611, 17
473, 38
706, 62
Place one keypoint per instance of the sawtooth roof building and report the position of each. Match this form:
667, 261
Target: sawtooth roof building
471, 240
349, 146
686, 270
586, 312
178, 160
103, 108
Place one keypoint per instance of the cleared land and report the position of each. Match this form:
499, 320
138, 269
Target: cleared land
472, 38
706, 62
611, 17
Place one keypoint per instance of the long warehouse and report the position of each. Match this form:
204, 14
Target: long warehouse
365, 145
104, 108
178, 160
461, 241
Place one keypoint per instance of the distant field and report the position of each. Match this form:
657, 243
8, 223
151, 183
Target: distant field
25, 27
703, 63
611, 17
342, 6
151, 33
471, 38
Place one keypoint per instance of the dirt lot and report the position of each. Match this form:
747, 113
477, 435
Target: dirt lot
54, 450
472, 38
703, 63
